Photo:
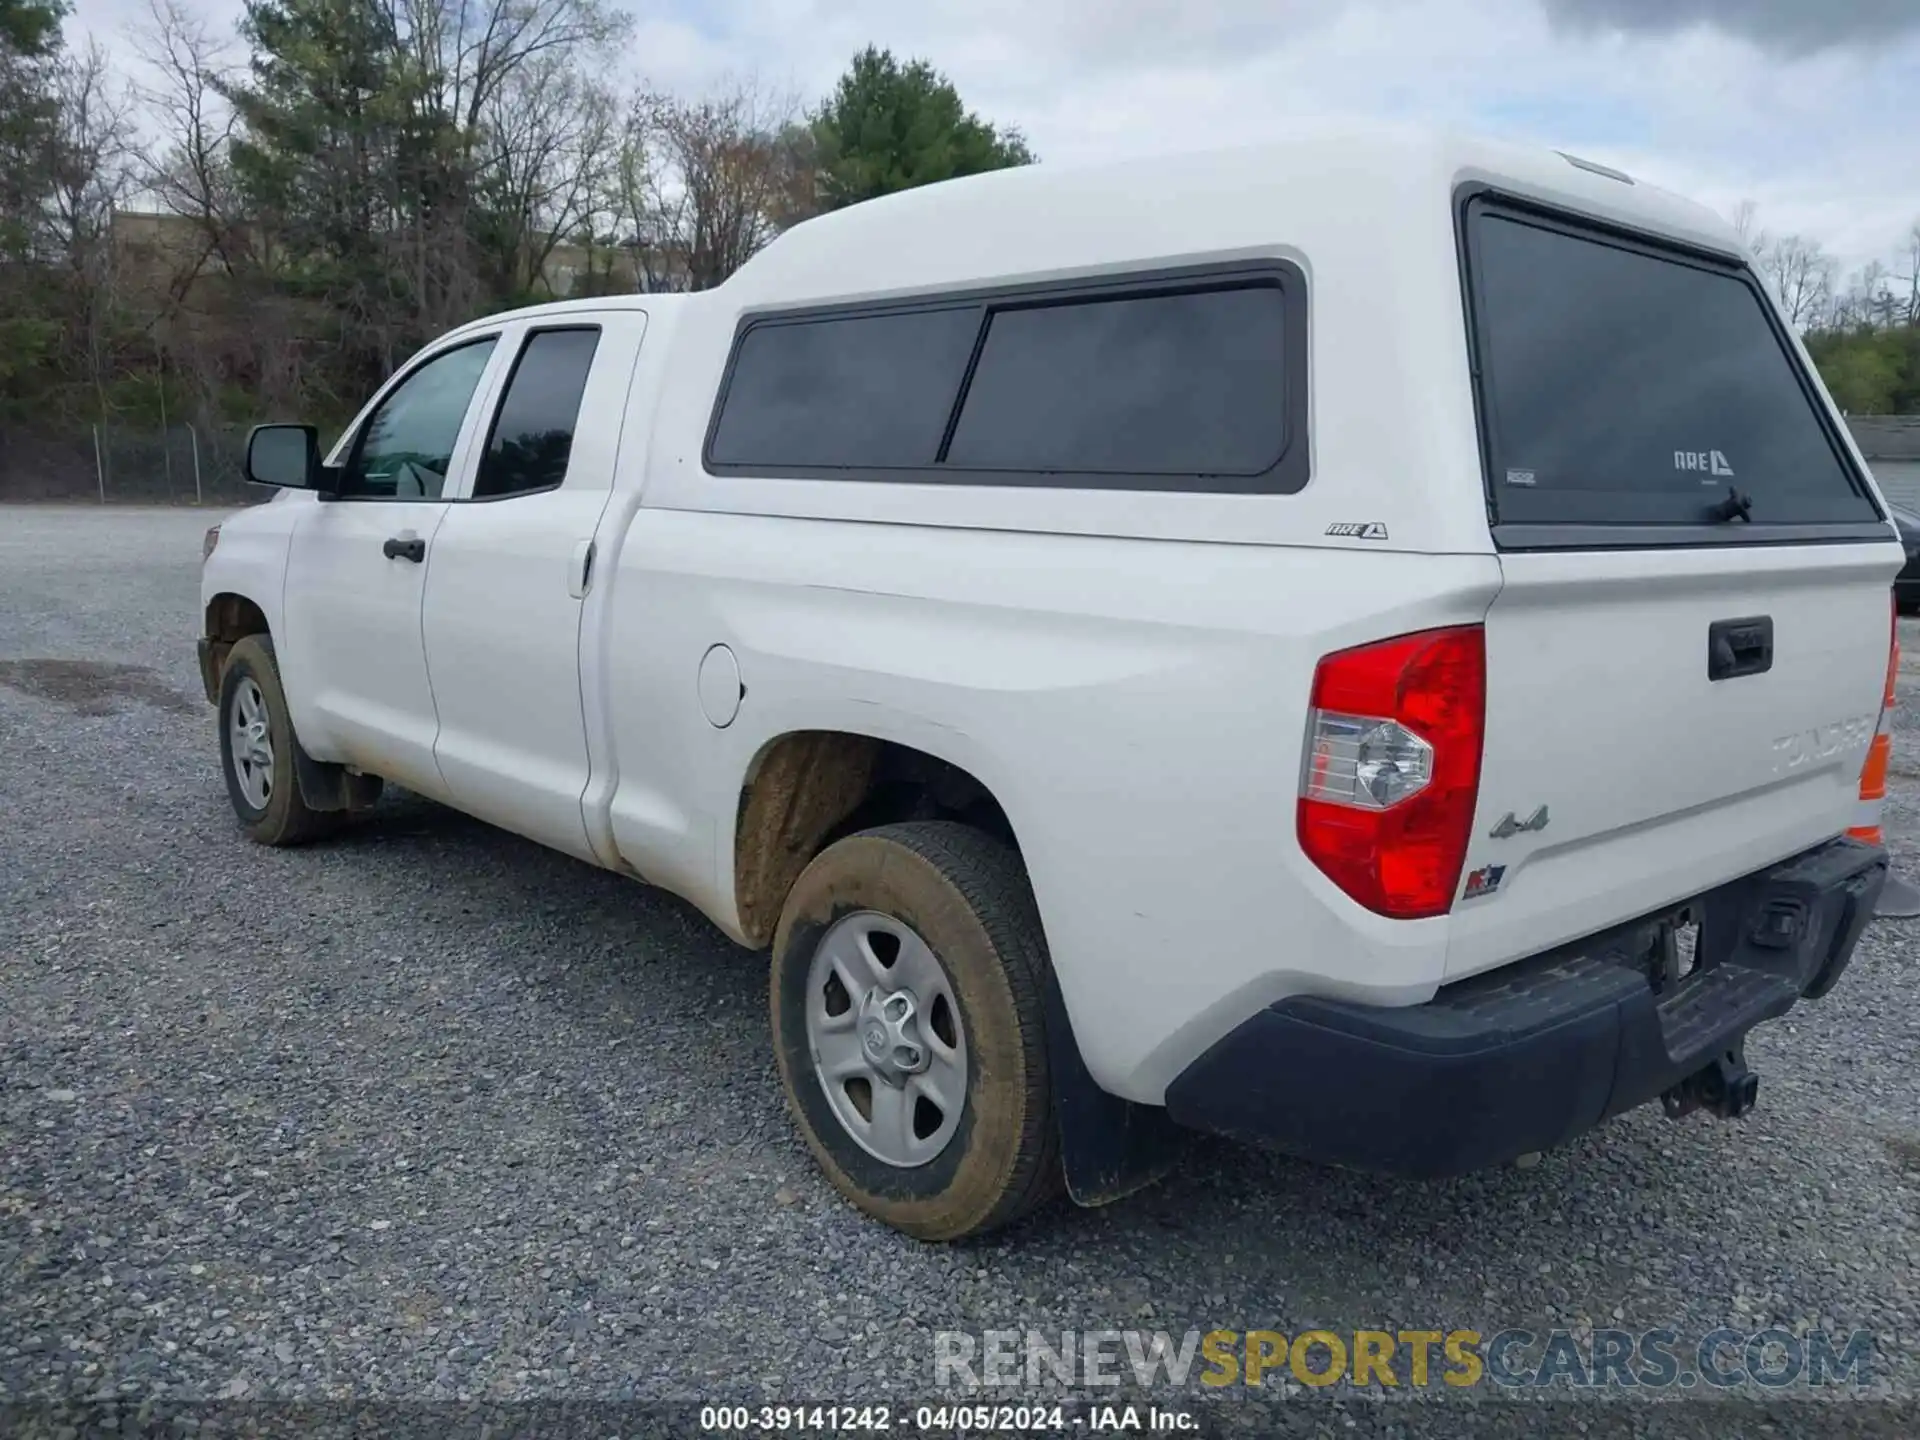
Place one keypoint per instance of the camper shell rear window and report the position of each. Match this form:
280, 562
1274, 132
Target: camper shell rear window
1635, 393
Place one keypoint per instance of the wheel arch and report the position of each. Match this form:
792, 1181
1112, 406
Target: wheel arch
805, 789
228, 618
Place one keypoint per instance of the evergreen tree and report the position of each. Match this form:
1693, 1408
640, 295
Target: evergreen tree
889, 127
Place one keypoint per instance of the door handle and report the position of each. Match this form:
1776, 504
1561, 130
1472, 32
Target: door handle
410, 547
1739, 647
580, 569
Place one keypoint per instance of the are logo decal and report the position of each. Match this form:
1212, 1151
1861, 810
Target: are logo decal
1358, 529
1708, 462
1484, 881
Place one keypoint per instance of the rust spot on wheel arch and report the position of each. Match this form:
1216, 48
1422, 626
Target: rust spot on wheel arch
231, 618
804, 785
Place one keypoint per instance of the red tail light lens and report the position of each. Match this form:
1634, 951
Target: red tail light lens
1393, 768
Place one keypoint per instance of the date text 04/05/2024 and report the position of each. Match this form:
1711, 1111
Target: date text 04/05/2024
1011, 1419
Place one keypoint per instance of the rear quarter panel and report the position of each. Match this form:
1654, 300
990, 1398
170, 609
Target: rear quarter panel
1137, 708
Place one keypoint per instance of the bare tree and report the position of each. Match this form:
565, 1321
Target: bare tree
90, 171
206, 293
1909, 309
189, 173
628, 200
506, 94
1801, 274
705, 184
91, 168
1867, 301
473, 49
550, 138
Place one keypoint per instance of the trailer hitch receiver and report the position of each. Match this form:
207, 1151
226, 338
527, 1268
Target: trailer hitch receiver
1724, 1087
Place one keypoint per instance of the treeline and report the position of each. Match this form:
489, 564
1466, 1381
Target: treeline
1871, 370
347, 178
1862, 331
267, 223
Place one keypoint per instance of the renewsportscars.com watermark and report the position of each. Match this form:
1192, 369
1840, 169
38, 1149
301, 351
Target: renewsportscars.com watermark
1754, 1361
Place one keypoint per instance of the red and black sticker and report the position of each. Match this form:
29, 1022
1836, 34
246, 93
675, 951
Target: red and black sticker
1484, 881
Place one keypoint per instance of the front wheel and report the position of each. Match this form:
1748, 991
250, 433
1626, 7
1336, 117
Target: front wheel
256, 750
908, 999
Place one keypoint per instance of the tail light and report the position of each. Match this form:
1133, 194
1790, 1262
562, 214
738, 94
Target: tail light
1392, 769
1873, 776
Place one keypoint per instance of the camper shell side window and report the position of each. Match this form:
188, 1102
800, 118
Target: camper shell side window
1188, 380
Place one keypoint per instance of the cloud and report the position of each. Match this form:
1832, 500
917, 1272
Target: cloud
1783, 26
1819, 140
1817, 132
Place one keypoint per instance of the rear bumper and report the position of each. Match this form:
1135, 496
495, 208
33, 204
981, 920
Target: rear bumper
1527, 1056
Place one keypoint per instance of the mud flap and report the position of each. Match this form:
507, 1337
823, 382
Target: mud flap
1109, 1147
325, 786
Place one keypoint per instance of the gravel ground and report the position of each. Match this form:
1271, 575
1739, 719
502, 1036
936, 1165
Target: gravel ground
429, 1113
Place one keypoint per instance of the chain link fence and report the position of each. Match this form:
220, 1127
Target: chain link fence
114, 464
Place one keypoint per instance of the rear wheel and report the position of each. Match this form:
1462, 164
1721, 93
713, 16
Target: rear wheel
256, 750
909, 1024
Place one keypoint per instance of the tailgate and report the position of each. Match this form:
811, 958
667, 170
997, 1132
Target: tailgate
1686, 660
1647, 779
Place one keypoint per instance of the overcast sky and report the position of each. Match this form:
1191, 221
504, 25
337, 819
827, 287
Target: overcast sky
1810, 108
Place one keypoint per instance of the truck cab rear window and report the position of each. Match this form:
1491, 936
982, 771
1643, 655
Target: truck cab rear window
1626, 385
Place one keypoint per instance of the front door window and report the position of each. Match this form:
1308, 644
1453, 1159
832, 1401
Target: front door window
406, 448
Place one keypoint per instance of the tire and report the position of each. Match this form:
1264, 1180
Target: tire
266, 797
965, 896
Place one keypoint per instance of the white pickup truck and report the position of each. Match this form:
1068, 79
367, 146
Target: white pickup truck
1365, 644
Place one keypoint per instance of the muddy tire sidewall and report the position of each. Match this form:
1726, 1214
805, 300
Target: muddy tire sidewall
969, 1186
285, 817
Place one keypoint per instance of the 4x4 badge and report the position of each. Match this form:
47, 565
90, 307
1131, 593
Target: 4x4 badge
1509, 827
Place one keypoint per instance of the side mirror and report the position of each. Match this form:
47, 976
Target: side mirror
287, 456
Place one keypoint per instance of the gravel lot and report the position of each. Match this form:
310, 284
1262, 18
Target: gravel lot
428, 1112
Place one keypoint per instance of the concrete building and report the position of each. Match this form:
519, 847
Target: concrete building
1891, 444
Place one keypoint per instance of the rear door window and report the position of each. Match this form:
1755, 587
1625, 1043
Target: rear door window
1622, 384
532, 436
